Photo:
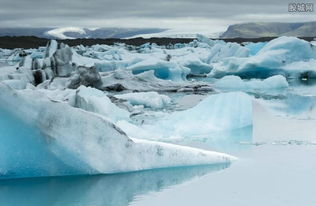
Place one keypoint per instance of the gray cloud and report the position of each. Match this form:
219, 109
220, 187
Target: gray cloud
144, 13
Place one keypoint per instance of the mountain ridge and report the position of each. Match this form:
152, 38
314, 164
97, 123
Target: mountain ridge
76, 32
270, 29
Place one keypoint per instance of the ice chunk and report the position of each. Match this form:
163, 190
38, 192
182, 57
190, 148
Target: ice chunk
224, 111
148, 99
59, 139
272, 59
51, 48
214, 116
232, 82
87, 76
254, 48
223, 50
96, 101
204, 39
63, 58
120, 80
162, 69
196, 66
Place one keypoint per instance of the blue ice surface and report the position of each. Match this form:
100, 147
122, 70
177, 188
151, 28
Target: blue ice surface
25, 152
254, 48
163, 72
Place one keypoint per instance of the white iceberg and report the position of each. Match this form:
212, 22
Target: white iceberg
235, 83
272, 59
148, 99
57, 139
96, 101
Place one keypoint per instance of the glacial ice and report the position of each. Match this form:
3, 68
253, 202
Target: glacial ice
67, 140
94, 100
272, 59
231, 82
147, 99
254, 48
214, 114
162, 69
223, 50
120, 80
88, 109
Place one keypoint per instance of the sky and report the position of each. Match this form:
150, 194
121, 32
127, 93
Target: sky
178, 15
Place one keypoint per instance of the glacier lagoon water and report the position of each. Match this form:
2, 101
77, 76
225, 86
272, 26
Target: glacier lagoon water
105, 190
270, 172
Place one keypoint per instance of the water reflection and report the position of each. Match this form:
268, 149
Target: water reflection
106, 190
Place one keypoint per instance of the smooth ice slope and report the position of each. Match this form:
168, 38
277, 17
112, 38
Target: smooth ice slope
217, 113
80, 141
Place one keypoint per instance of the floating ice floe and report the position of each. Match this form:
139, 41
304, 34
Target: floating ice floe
162, 69
232, 82
120, 80
274, 58
216, 113
94, 100
54, 138
147, 99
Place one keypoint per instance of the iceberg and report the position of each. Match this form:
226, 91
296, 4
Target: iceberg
162, 69
54, 138
272, 59
196, 66
233, 83
96, 101
215, 114
147, 99
120, 80
223, 50
254, 48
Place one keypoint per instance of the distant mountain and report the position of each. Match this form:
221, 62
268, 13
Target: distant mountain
272, 29
76, 32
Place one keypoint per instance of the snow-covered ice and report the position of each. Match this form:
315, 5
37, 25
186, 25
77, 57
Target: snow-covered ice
73, 141
147, 99
232, 82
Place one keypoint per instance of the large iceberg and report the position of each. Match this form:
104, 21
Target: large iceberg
272, 59
53, 138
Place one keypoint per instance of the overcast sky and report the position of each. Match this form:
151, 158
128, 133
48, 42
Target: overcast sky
197, 15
